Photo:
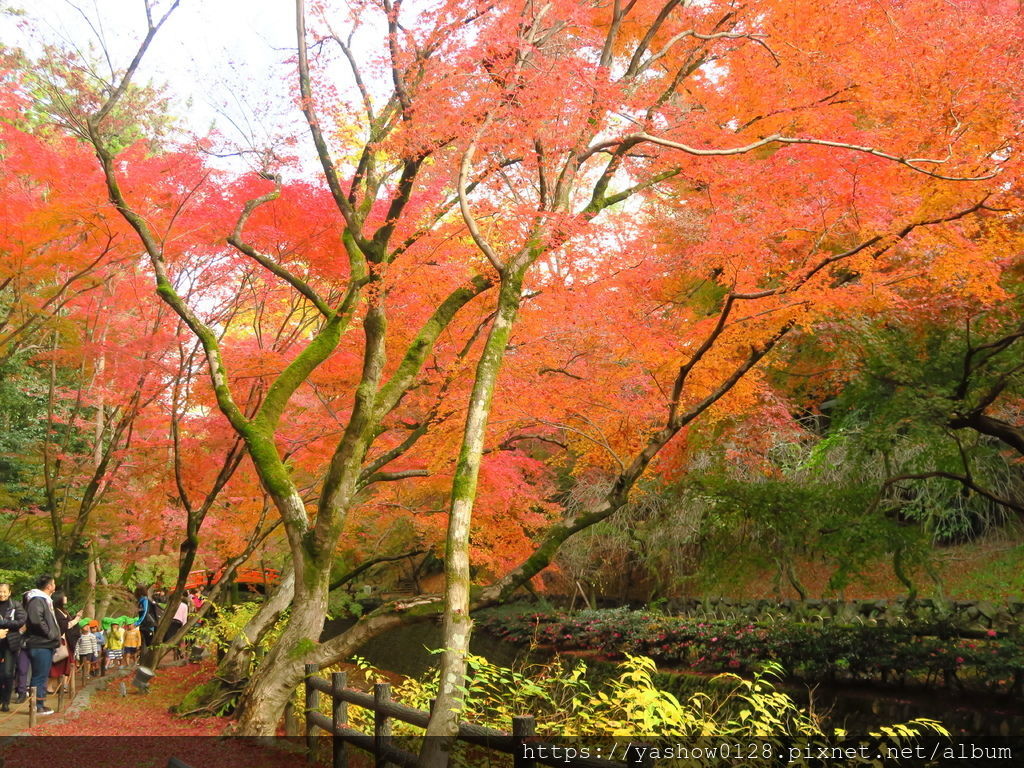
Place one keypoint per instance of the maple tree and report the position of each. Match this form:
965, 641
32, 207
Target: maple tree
625, 207
79, 328
59, 261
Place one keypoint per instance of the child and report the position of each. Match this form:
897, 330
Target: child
86, 650
101, 648
132, 642
115, 645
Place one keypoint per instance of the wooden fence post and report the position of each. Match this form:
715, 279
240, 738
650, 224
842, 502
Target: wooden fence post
339, 718
523, 730
32, 703
381, 724
312, 700
638, 756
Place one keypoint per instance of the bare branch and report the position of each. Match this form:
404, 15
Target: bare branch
964, 480
322, 150
151, 31
913, 163
235, 239
467, 214
368, 564
403, 474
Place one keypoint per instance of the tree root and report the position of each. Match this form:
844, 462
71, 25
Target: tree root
214, 698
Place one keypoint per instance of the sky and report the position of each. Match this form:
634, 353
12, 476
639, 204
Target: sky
224, 61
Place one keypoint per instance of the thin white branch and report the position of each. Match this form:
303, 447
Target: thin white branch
467, 214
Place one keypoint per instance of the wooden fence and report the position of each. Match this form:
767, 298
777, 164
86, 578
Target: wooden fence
65, 694
527, 751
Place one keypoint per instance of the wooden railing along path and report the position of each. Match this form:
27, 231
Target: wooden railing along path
65, 694
527, 751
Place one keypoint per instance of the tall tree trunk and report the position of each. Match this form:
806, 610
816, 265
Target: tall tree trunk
457, 626
899, 568
99, 428
106, 596
90, 594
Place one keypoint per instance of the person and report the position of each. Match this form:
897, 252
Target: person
115, 644
12, 619
24, 661
101, 647
70, 632
180, 618
132, 643
86, 650
149, 615
42, 637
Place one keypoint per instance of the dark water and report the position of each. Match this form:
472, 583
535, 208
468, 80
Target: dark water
408, 650
976, 721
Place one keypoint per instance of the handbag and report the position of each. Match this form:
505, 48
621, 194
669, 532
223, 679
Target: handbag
62, 651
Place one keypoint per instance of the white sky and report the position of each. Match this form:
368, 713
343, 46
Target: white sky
224, 60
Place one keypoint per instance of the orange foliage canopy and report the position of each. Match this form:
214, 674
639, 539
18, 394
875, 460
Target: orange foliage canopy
693, 180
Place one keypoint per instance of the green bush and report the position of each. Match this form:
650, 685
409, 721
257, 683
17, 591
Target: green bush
570, 704
20, 581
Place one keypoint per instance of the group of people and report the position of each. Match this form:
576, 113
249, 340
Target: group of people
114, 642
40, 640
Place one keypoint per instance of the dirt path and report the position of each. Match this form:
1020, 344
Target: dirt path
17, 720
110, 725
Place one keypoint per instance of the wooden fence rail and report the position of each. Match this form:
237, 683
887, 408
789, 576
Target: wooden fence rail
526, 750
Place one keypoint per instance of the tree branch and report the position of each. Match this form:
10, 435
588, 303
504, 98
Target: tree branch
913, 163
235, 239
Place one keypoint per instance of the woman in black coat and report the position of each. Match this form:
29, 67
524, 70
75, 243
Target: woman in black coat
12, 618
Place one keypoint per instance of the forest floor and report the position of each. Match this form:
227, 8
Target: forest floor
988, 568
104, 727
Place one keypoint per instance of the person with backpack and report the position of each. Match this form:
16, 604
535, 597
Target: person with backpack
149, 616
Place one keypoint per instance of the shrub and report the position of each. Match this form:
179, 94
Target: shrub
20, 581
629, 705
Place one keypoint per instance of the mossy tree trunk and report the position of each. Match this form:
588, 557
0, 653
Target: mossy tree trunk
456, 623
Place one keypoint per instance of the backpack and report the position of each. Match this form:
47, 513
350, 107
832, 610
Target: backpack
152, 617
